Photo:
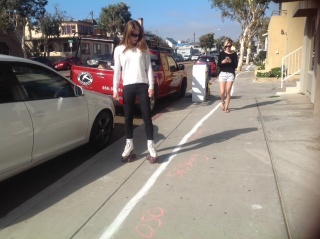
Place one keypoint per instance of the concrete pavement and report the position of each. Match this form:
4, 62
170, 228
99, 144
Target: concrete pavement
250, 173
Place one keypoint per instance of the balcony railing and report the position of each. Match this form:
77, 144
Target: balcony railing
279, 13
291, 65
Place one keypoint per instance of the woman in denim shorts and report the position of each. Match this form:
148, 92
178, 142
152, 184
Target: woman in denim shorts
228, 62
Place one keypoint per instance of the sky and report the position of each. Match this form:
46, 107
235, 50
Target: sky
177, 19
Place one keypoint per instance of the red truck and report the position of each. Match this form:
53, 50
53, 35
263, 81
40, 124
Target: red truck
170, 78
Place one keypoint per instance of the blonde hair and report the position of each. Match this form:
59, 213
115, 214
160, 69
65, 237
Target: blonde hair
228, 40
131, 26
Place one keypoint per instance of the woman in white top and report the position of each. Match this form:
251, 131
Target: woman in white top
133, 56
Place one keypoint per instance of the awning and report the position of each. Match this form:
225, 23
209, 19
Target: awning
305, 9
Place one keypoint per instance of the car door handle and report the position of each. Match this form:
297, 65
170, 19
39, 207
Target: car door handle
101, 74
39, 114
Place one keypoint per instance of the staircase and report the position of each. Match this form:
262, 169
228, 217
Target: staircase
291, 66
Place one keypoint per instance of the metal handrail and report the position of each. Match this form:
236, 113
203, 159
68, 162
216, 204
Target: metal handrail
291, 65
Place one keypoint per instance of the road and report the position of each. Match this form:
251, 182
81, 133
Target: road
22, 187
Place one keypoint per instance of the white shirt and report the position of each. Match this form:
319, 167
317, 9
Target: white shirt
136, 67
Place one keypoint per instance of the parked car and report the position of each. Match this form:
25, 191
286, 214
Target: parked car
178, 58
187, 57
171, 79
215, 55
43, 60
209, 60
96, 59
65, 63
195, 57
43, 115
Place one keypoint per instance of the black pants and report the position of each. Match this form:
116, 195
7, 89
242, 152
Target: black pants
130, 92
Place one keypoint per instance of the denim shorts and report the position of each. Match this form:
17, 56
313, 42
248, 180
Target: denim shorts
226, 76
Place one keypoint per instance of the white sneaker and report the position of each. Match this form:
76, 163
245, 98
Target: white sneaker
152, 149
128, 148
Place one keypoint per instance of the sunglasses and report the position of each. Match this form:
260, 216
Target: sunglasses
229, 46
135, 35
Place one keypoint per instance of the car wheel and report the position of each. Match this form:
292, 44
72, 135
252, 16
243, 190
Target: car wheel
183, 88
68, 67
101, 130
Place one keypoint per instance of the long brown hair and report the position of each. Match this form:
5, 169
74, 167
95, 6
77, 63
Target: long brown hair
131, 26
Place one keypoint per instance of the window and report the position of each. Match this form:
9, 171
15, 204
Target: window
85, 30
96, 49
73, 29
68, 29
40, 83
155, 62
172, 63
4, 49
85, 49
107, 49
67, 48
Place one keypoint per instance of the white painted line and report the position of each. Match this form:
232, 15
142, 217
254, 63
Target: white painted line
116, 224
256, 206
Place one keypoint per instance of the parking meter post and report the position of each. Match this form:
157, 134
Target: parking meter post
199, 83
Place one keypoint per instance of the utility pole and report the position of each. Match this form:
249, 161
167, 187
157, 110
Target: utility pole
194, 37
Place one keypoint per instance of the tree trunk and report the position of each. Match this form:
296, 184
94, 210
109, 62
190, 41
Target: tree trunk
248, 53
23, 42
243, 44
239, 68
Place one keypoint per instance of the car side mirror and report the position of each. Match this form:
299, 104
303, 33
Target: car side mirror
181, 67
173, 69
78, 91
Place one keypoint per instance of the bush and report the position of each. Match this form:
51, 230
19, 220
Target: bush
260, 58
262, 67
274, 72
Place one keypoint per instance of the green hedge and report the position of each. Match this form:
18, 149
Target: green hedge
259, 60
274, 72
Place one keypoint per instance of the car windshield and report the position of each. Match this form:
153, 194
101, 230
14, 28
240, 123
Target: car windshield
98, 57
63, 59
206, 59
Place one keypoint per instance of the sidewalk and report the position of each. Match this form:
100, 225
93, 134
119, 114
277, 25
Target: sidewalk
250, 173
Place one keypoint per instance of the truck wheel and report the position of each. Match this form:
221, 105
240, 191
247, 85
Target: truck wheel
101, 130
183, 88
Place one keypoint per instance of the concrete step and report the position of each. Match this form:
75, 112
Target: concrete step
290, 87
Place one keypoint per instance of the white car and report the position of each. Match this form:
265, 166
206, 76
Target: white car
195, 57
43, 115
187, 57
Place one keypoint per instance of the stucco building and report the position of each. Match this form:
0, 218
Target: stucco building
294, 45
93, 41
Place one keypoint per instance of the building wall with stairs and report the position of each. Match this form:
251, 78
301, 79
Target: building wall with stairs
301, 27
